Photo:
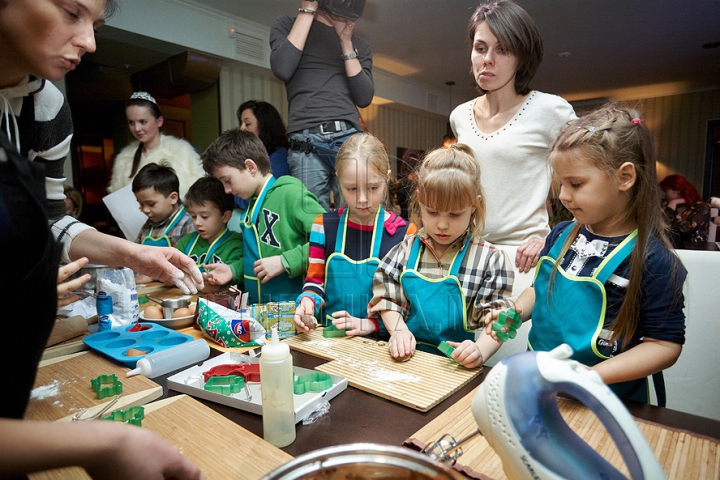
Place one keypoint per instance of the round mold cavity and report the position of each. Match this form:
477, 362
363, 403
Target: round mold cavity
153, 335
125, 342
143, 348
173, 341
104, 337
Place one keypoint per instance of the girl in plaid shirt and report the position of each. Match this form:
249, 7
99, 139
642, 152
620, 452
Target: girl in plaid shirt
440, 283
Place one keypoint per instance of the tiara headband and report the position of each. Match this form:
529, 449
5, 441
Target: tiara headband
142, 96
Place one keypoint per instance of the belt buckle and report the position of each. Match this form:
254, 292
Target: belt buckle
338, 127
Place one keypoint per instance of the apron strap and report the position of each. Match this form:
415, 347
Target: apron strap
376, 242
253, 215
612, 261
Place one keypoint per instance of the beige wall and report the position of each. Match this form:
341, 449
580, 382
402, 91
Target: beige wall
679, 124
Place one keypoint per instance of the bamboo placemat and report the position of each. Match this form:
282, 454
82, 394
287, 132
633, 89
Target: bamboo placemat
682, 454
221, 448
420, 383
62, 387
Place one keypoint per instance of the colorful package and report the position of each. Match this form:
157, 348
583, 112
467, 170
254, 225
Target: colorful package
227, 327
275, 313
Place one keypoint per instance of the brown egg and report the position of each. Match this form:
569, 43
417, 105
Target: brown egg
181, 312
192, 308
151, 311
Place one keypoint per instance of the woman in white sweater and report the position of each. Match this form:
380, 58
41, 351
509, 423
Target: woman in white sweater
144, 120
510, 127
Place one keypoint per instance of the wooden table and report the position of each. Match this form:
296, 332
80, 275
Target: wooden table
357, 416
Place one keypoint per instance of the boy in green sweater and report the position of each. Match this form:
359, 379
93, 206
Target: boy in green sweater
213, 244
276, 225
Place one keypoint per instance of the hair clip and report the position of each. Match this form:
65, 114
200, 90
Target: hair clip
590, 129
636, 121
142, 96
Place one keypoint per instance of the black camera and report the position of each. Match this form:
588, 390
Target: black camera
352, 9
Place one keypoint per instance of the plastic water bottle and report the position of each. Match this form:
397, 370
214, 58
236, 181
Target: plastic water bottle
165, 361
276, 384
104, 305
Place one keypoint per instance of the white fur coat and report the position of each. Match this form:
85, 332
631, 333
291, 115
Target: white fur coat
175, 152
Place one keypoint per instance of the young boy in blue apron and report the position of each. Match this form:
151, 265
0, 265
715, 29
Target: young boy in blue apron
440, 284
277, 223
211, 209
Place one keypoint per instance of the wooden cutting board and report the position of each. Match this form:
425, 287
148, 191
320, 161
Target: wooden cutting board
62, 387
420, 383
221, 448
683, 455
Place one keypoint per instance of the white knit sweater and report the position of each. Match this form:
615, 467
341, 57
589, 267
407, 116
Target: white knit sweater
515, 174
175, 152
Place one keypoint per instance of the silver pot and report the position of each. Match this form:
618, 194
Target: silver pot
363, 460
169, 305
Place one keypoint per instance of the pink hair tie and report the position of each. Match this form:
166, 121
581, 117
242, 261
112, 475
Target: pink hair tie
636, 121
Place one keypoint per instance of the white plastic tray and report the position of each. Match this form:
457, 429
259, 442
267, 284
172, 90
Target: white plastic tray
190, 381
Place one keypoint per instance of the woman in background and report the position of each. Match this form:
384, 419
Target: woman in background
264, 121
144, 120
687, 215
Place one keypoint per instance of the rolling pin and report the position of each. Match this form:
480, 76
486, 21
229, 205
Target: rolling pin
67, 328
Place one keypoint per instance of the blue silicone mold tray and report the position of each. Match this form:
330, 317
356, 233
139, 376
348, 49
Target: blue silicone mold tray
116, 342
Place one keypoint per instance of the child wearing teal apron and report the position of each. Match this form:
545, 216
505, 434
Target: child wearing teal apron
350, 254
440, 284
169, 234
577, 308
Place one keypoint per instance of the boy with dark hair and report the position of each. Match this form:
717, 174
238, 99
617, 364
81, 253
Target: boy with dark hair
156, 188
213, 243
276, 226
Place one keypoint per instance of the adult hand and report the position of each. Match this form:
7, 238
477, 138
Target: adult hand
527, 254
167, 265
267, 268
352, 325
402, 345
305, 315
64, 288
467, 354
144, 454
714, 202
217, 274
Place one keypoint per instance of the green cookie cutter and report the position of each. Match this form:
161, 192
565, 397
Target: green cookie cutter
225, 385
312, 382
509, 318
131, 416
114, 388
331, 331
445, 348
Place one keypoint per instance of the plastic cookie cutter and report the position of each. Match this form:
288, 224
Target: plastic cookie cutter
331, 331
228, 385
445, 348
312, 382
509, 318
81, 412
249, 371
132, 416
114, 386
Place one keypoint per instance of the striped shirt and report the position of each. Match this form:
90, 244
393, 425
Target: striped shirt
357, 244
485, 275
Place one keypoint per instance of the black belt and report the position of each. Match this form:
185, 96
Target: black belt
330, 127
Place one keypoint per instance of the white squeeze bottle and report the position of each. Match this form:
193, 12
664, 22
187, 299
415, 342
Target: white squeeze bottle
276, 384
164, 361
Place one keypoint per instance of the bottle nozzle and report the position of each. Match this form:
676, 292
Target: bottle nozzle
133, 372
275, 337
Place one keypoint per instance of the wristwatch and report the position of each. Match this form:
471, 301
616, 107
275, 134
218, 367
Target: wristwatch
350, 55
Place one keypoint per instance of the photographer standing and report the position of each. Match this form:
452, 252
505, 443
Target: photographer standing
327, 72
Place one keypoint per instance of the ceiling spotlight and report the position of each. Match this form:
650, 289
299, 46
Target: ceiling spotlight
564, 54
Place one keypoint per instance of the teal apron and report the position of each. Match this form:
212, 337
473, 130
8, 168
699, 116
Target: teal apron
211, 249
348, 282
163, 240
437, 309
574, 313
279, 289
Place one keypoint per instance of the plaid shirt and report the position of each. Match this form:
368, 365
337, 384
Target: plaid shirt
182, 228
486, 276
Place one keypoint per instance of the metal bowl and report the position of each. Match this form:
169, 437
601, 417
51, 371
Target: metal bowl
93, 270
363, 460
169, 305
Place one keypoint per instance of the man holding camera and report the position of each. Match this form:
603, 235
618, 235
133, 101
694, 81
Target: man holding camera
327, 72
